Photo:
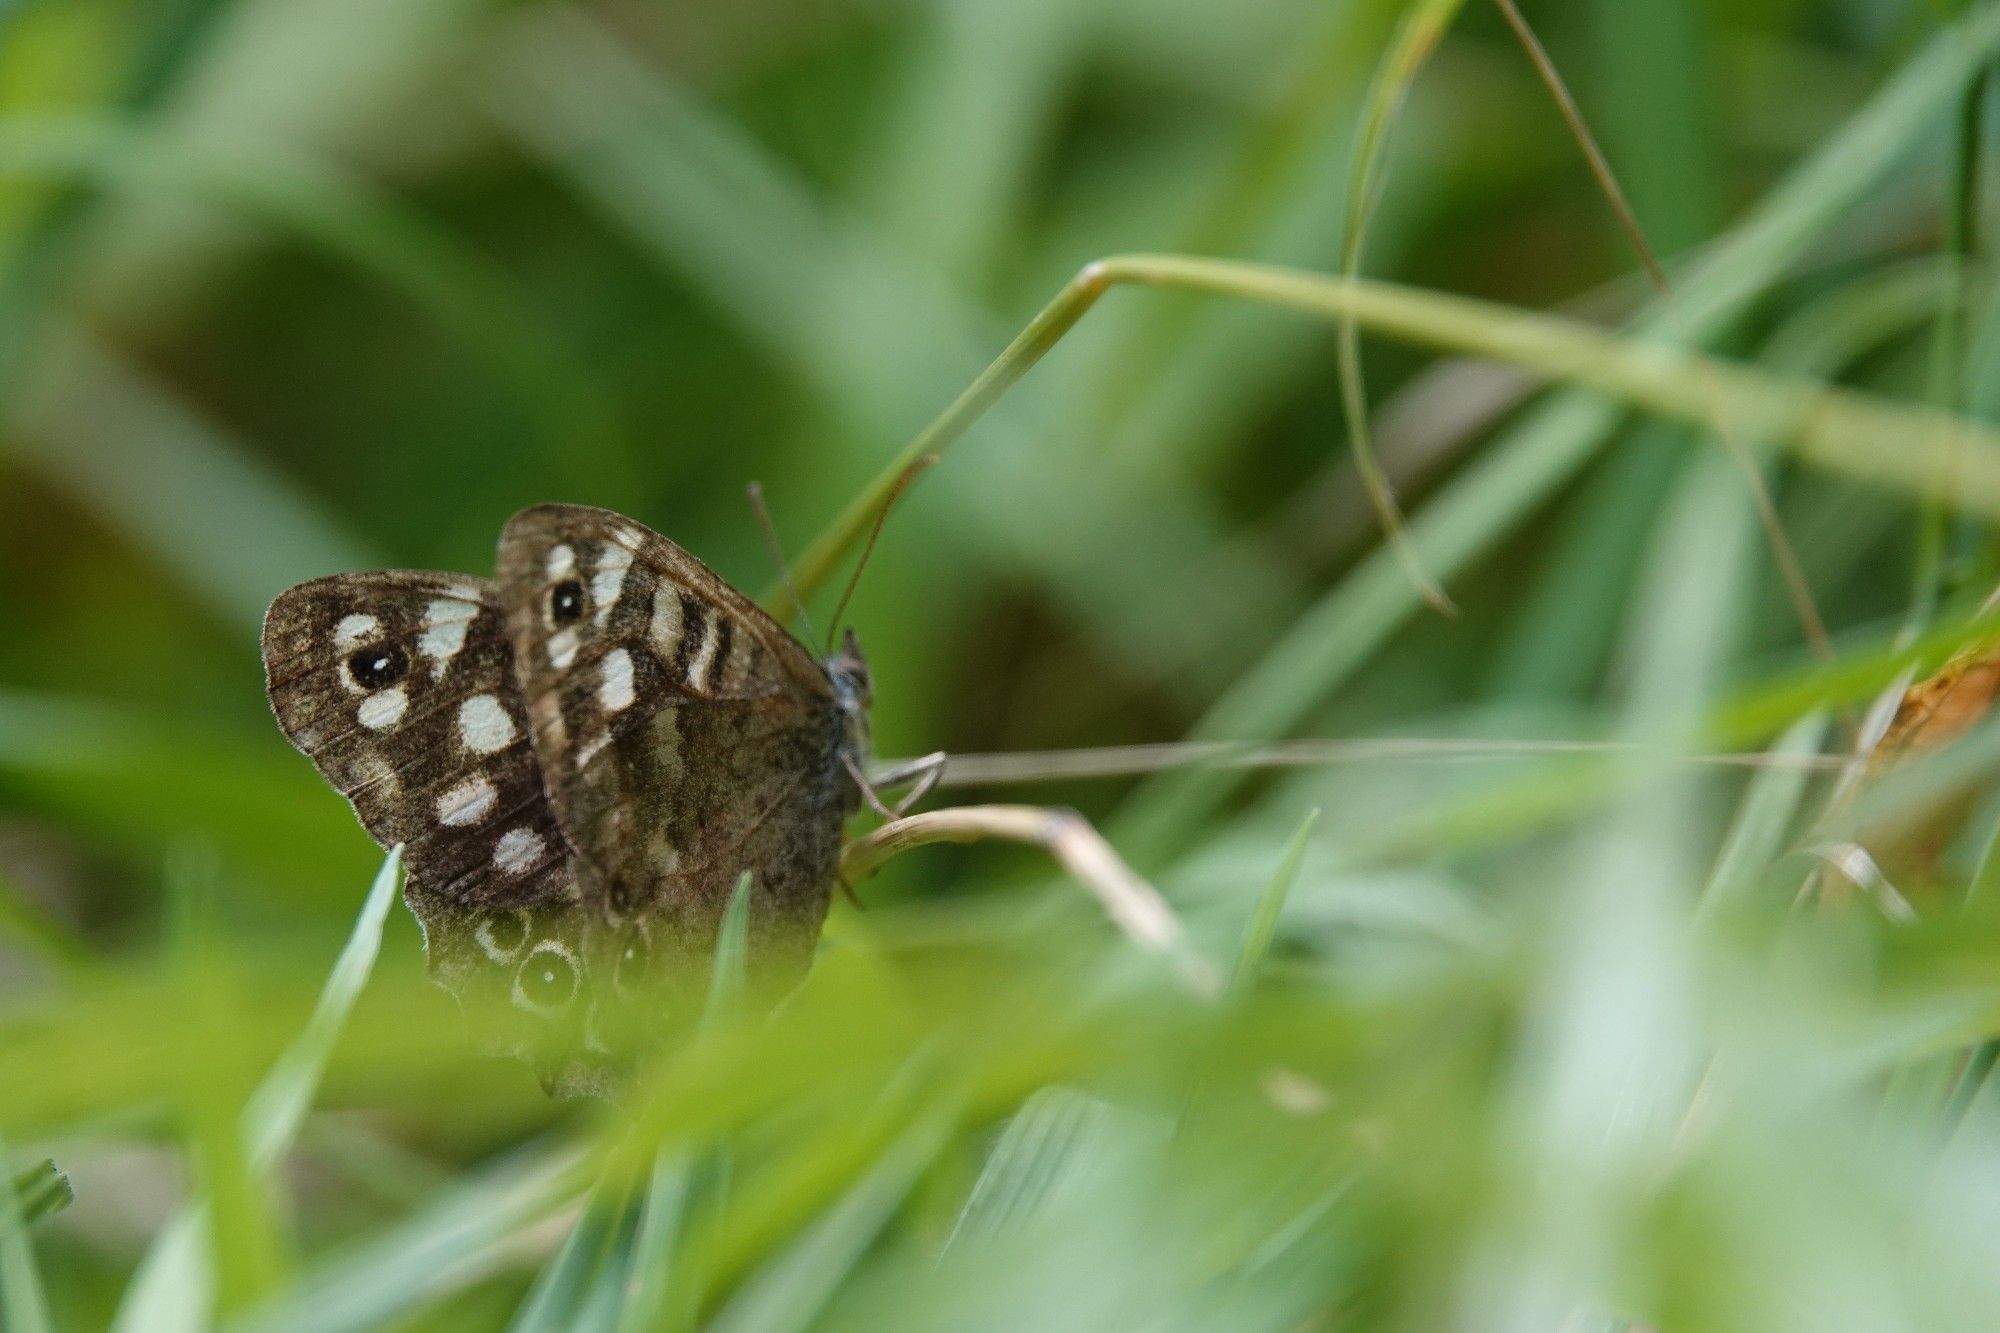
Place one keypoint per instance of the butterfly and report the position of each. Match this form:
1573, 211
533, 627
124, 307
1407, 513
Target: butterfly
581, 758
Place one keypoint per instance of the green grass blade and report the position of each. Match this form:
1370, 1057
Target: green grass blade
729, 974
271, 1119
672, 1184
1770, 803
443, 1248
669, 1192
23, 1307
756, 237
789, 1293
173, 1288
593, 1253
1529, 462
174, 1284
1044, 1143
1423, 27
1263, 923
1653, 87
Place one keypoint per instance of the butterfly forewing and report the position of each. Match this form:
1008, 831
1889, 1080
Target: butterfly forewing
398, 686
683, 734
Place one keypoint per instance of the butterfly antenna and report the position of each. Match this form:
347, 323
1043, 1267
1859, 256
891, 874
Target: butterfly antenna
909, 474
763, 512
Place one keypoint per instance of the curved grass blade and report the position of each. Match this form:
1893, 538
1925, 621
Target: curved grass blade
728, 977
1790, 571
1418, 35
1035, 1159
1532, 459
1770, 803
595, 1255
271, 1119
789, 1293
1635, 370
23, 1307
677, 1179
1586, 142
670, 1193
174, 1285
446, 1247
1263, 923
753, 234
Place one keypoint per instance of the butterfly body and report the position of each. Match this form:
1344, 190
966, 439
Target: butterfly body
582, 757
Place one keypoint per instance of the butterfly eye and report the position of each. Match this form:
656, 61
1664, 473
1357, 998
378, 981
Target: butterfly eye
547, 980
566, 602
377, 665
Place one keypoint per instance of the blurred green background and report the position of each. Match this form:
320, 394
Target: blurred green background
290, 287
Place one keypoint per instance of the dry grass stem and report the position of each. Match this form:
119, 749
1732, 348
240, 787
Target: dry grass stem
979, 770
1811, 623
1133, 905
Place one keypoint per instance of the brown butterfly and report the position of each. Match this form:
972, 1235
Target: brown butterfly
581, 758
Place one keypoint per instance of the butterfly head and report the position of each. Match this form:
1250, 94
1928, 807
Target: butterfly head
854, 688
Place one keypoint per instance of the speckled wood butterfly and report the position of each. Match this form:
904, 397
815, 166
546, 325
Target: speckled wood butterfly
581, 758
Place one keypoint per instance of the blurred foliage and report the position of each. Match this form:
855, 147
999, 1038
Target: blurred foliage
1523, 1042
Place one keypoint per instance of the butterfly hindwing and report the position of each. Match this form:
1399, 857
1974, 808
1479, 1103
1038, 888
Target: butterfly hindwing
683, 734
399, 687
557, 985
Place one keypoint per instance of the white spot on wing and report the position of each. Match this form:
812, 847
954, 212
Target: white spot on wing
561, 560
484, 725
384, 708
562, 648
518, 850
353, 629
467, 803
614, 686
629, 538
609, 580
711, 639
665, 630
588, 750
445, 623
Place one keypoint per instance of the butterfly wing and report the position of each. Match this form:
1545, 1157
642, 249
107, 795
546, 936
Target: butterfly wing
398, 686
556, 985
684, 735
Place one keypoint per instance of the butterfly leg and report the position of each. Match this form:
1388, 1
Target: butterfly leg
923, 775
868, 792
